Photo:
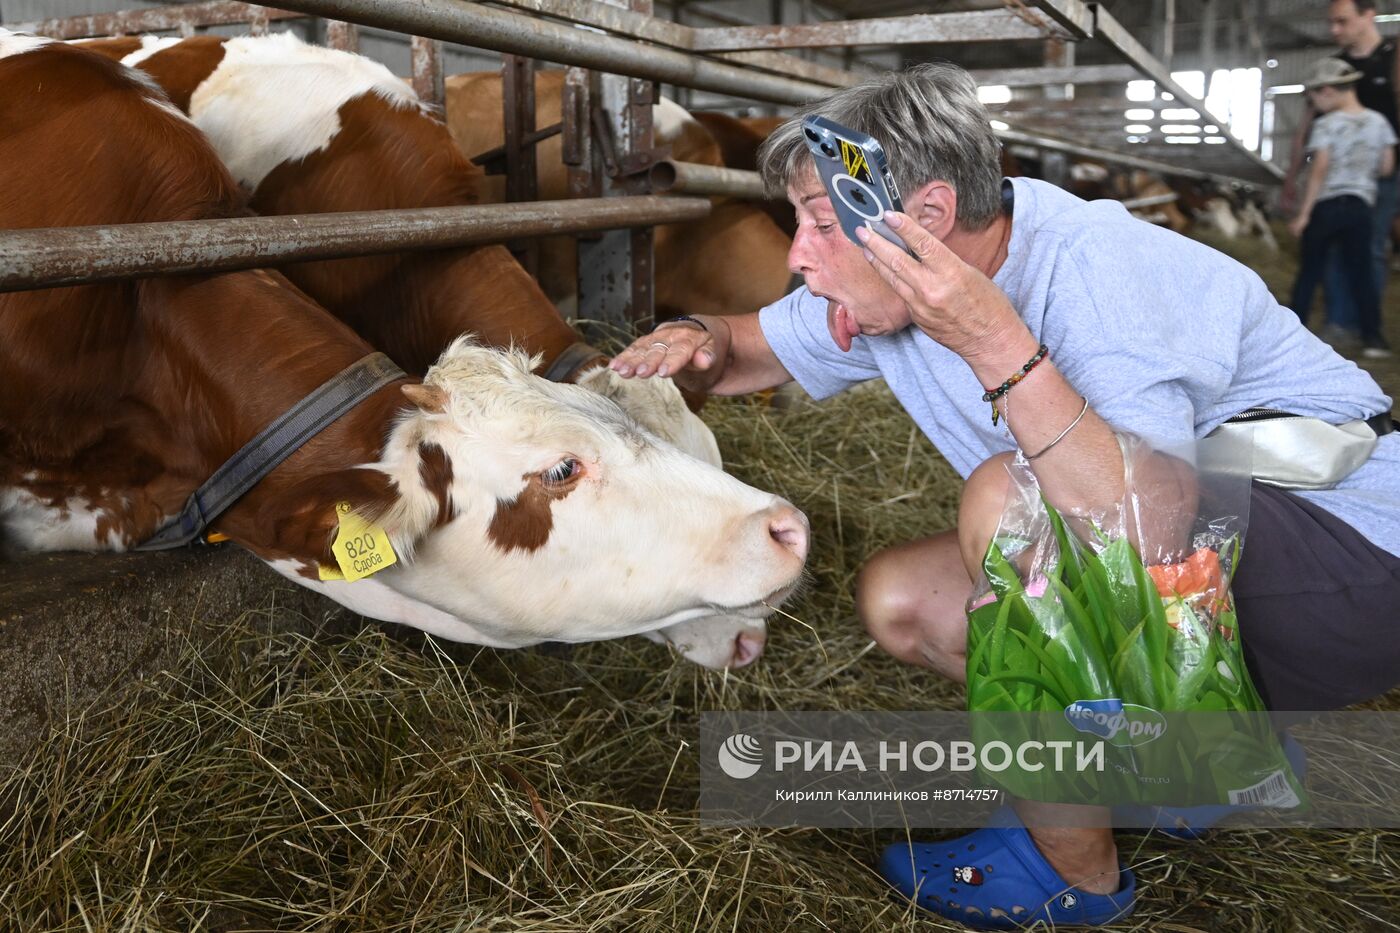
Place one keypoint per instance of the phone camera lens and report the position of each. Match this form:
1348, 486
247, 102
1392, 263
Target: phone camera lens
811, 134
827, 150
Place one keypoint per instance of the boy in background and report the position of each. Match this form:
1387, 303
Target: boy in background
1350, 146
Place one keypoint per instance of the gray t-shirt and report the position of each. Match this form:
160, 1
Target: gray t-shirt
1166, 337
1354, 144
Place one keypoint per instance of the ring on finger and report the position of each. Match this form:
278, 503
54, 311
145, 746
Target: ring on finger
664, 346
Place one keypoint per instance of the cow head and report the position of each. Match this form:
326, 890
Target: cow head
712, 641
529, 511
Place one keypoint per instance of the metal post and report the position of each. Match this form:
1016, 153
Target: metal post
575, 118
518, 103
615, 271
342, 35
425, 56
1208, 19
776, 17
1169, 34
1055, 165
685, 96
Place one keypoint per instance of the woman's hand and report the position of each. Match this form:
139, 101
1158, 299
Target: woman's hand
949, 300
683, 350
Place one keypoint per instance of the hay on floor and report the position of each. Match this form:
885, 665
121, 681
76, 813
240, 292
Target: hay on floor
276, 779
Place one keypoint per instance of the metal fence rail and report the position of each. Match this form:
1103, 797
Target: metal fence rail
712, 180
157, 19
636, 45
514, 33
644, 46
43, 258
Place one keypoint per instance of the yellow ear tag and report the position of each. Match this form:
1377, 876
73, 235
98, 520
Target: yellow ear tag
329, 573
360, 548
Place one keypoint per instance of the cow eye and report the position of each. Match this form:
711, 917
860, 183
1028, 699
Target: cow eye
562, 472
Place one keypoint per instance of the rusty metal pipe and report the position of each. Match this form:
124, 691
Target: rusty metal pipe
503, 31
129, 22
42, 258
708, 180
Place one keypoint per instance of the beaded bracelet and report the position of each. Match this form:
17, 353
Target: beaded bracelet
991, 395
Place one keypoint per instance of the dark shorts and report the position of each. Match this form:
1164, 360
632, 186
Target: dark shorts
1318, 606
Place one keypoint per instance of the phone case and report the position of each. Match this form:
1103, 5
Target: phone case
855, 174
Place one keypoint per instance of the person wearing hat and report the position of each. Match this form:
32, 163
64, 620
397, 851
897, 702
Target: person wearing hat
1350, 148
1360, 44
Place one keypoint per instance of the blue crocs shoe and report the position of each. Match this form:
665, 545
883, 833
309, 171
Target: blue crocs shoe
1192, 823
996, 879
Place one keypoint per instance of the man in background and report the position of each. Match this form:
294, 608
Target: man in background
1353, 26
1351, 148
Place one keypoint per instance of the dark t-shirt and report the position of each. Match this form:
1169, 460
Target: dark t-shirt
1376, 89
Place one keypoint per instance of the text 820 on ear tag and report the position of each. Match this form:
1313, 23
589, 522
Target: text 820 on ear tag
361, 549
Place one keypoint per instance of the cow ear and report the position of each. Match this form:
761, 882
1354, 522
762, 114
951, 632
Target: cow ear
430, 398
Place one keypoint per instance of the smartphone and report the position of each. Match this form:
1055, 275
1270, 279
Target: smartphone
854, 171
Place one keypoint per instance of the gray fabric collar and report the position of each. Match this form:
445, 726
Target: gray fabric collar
275, 443
568, 362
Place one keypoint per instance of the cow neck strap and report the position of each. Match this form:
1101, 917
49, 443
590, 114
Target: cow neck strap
275, 443
571, 361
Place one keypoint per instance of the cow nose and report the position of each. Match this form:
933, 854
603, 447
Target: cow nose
748, 645
788, 527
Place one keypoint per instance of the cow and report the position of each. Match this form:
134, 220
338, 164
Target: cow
738, 139
308, 129
734, 260
1221, 214
519, 510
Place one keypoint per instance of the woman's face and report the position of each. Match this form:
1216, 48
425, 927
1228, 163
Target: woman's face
858, 300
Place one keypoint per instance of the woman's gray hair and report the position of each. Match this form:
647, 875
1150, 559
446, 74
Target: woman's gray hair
932, 128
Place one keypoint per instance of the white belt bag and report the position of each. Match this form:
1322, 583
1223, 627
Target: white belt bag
1298, 452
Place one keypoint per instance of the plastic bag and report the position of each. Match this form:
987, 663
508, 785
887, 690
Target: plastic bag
1109, 625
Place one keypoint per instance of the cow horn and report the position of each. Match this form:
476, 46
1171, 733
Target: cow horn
430, 398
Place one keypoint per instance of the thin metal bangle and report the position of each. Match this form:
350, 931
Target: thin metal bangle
1062, 434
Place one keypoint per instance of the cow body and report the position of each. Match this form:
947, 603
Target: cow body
731, 262
309, 130
489, 481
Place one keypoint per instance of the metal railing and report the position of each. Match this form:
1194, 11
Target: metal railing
51, 256
730, 61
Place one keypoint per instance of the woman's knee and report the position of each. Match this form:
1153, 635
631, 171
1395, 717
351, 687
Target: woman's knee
911, 599
888, 605
980, 509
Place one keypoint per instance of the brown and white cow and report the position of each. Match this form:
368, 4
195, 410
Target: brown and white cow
308, 129
522, 510
733, 261
739, 139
